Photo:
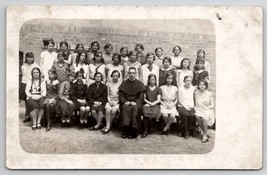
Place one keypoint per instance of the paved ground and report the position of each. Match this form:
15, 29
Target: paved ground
82, 141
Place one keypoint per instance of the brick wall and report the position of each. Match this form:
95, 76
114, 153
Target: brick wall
32, 34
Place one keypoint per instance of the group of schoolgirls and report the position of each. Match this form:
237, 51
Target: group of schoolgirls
88, 82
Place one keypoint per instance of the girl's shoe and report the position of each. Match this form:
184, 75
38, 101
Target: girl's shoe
34, 127
39, 126
105, 131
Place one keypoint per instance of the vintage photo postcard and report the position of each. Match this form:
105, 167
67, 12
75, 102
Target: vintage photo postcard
134, 87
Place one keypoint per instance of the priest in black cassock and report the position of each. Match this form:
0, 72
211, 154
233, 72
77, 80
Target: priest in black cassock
131, 98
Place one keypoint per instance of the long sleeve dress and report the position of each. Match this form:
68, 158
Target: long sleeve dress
97, 93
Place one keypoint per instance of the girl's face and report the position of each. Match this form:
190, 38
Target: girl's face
95, 47
124, 52
116, 60
159, 53
36, 74
30, 60
71, 78
169, 80
80, 48
98, 78
200, 65
115, 77
133, 57
166, 64
185, 64
109, 50
50, 47
64, 47
202, 86
51, 75
152, 81
82, 57
98, 58
150, 59
176, 51
200, 55
138, 49
60, 58
188, 82
79, 78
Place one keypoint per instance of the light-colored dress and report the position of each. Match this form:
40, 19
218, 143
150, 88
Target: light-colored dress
107, 58
92, 70
186, 96
85, 67
111, 68
181, 74
168, 97
113, 95
49, 58
204, 100
145, 72
176, 61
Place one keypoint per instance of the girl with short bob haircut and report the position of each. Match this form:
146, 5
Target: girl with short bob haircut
47, 59
184, 71
78, 93
167, 68
141, 57
132, 62
204, 108
176, 58
159, 57
107, 55
61, 68
96, 97
112, 106
94, 47
124, 55
52, 89
115, 65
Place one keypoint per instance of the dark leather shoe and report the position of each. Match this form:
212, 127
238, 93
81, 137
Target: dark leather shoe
130, 137
123, 135
26, 120
144, 135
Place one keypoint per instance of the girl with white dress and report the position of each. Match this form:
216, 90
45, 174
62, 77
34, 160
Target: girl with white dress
47, 58
169, 100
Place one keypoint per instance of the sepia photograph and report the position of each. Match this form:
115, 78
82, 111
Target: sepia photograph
161, 56
111, 89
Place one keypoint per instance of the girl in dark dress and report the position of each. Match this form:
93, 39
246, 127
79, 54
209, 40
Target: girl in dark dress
151, 109
200, 73
78, 92
52, 89
96, 97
